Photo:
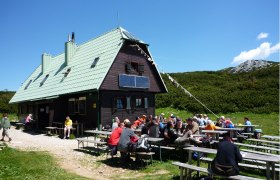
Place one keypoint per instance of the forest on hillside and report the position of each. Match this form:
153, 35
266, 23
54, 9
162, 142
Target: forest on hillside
222, 92
256, 92
5, 97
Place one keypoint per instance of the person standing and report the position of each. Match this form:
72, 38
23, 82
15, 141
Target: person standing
5, 124
28, 119
67, 127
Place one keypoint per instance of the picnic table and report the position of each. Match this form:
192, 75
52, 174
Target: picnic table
216, 132
157, 142
97, 132
277, 138
232, 131
249, 126
270, 160
256, 147
262, 141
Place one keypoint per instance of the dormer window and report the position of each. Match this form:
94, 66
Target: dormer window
94, 62
28, 84
44, 80
67, 72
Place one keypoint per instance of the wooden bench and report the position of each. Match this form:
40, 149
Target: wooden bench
96, 142
260, 166
184, 167
61, 131
20, 125
145, 156
248, 134
51, 130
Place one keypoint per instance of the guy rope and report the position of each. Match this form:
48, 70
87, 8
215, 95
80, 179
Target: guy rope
174, 82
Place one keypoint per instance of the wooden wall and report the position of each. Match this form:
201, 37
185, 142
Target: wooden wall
108, 113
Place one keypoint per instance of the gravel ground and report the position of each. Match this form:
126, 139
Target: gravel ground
65, 151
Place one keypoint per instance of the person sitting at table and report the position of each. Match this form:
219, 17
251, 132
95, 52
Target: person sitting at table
145, 126
67, 127
153, 129
222, 121
114, 139
115, 123
228, 155
210, 126
247, 122
127, 142
192, 128
228, 123
179, 126
169, 134
137, 123
219, 122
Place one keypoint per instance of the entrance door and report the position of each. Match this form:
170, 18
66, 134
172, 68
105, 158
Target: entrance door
43, 116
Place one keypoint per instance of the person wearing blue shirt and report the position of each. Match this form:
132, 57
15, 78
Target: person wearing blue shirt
247, 122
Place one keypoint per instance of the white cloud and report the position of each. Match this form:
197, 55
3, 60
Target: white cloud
261, 52
262, 35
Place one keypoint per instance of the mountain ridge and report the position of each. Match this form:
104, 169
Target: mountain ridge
250, 65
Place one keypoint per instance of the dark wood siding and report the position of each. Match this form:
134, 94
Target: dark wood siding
130, 54
108, 113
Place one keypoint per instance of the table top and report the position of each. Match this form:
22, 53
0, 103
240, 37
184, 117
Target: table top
243, 125
230, 129
257, 147
271, 137
50, 127
137, 130
152, 139
213, 131
98, 132
246, 155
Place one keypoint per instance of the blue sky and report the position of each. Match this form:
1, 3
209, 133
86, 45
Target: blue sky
184, 35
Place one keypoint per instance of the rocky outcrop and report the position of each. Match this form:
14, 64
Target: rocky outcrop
251, 65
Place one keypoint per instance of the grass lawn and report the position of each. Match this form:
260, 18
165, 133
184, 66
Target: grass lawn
30, 165
269, 123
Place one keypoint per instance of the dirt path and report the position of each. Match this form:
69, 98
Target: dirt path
65, 151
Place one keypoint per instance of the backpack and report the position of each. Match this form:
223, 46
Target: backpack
195, 155
142, 143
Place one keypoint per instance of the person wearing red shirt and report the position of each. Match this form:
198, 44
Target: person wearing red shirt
114, 139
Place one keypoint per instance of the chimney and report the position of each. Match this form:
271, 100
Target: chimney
70, 49
46, 60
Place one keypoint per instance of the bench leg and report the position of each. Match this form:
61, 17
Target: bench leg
181, 173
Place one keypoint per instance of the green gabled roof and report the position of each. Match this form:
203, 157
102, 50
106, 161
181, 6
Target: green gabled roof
81, 77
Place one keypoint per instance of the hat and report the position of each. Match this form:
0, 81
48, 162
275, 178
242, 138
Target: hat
126, 121
162, 114
209, 122
222, 117
205, 115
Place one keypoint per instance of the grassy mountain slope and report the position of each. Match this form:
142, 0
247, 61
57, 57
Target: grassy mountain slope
256, 91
